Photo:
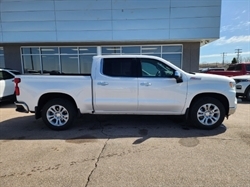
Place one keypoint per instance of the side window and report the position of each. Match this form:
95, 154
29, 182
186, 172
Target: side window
248, 67
119, 67
238, 67
155, 68
231, 68
7, 75
1, 75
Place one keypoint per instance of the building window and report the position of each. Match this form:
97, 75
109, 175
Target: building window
151, 50
172, 53
85, 58
44, 60
111, 50
78, 60
2, 64
131, 50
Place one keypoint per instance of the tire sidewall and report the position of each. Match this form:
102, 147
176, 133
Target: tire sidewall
67, 105
248, 94
195, 107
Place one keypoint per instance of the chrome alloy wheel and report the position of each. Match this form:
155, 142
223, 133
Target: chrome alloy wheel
208, 114
57, 115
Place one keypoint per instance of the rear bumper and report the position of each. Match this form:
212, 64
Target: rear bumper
22, 107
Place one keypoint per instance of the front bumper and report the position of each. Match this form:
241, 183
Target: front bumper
232, 109
22, 107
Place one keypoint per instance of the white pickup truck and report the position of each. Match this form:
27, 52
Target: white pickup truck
129, 84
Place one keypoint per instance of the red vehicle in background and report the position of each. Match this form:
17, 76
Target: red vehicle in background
233, 70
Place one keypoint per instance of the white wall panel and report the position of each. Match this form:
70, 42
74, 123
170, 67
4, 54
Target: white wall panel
83, 25
193, 3
29, 36
140, 14
195, 12
28, 16
80, 36
84, 15
143, 35
141, 24
24, 0
196, 33
82, 5
109, 20
139, 4
195, 22
27, 6
29, 26
1, 36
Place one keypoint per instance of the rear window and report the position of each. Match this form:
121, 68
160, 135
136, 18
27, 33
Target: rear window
237, 67
119, 67
5, 75
248, 67
16, 72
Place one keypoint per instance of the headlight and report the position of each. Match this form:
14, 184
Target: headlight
232, 85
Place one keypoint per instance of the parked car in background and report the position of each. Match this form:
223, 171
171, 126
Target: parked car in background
204, 70
233, 70
7, 88
243, 86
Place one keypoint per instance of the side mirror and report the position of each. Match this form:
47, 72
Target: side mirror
178, 77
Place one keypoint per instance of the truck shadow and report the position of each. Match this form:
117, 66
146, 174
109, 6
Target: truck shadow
7, 104
90, 128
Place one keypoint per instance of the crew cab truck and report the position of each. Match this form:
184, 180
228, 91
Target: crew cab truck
129, 84
233, 70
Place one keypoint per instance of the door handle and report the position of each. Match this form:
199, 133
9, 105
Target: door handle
103, 83
146, 84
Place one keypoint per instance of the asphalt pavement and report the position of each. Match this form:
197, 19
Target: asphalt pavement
123, 150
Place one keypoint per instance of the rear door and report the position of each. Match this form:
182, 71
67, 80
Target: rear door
158, 90
115, 86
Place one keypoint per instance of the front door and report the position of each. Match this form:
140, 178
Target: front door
158, 90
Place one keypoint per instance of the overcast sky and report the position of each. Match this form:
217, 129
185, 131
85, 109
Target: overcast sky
234, 33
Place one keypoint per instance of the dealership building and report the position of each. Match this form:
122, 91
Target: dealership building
39, 36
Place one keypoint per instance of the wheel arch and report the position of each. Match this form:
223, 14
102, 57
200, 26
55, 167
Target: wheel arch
49, 96
217, 96
246, 90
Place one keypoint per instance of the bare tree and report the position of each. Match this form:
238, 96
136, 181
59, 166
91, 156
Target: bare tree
246, 59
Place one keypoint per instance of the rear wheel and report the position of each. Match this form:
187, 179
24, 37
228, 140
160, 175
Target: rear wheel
58, 114
207, 113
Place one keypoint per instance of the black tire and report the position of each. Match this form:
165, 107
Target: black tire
248, 94
207, 113
58, 114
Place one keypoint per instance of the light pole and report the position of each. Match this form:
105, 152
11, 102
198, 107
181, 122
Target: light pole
223, 57
238, 51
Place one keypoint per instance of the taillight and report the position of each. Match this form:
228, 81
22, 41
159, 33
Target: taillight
16, 81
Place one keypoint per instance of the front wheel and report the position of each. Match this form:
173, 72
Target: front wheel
58, 114
207, 113
248, 94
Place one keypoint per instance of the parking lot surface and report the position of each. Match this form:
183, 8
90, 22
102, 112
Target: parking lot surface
123, 151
